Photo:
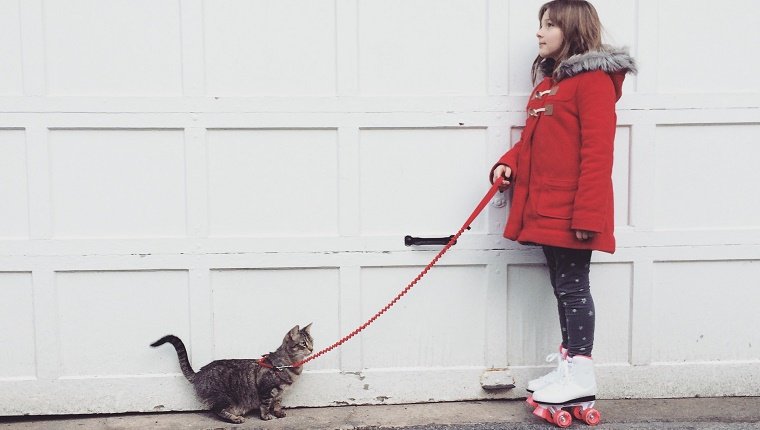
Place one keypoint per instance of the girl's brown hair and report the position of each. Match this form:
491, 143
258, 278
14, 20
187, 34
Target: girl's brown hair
581, 31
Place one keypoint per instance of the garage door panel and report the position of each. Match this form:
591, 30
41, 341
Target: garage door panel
416, 180
425, 328
612, 288
424, 56
123, 183
696, 307
270, 48
114, 48
255, 308
11, 68
621, 176
718, 44
14, 195
17, 336
532, 309
271, 183
107, 320
689, 170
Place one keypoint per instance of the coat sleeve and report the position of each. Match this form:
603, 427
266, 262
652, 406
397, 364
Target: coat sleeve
596, 110
508, 159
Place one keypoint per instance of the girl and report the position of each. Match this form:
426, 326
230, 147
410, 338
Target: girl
560, 172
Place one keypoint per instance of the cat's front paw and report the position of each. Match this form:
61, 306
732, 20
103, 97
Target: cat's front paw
279, 414
237, 419
266, 417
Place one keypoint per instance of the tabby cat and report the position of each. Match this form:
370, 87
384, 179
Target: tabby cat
232, 388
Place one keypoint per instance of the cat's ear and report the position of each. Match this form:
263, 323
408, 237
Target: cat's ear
293, 333
307, 329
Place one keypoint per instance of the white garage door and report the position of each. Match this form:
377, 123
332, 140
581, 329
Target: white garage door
224, 170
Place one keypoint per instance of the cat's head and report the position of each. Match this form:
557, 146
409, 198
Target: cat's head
298, 342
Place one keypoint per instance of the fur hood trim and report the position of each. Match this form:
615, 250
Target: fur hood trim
608, 59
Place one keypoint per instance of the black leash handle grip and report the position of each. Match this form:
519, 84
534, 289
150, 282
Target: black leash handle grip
414, 241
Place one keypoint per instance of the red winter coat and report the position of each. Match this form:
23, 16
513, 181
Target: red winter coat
562, 165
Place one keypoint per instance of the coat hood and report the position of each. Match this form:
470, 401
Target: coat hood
614, 61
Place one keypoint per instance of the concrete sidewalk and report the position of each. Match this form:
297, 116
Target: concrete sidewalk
698, 413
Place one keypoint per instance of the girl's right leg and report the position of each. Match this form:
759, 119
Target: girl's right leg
552, 262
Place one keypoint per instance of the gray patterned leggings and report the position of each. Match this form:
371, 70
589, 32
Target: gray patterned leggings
568, 272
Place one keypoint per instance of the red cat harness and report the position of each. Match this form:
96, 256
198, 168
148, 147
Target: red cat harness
489, 195
264, 362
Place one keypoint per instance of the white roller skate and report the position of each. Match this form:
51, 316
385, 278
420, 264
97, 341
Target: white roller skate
576, 390
548, 379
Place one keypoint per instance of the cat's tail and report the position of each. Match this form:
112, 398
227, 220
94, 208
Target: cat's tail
184, 363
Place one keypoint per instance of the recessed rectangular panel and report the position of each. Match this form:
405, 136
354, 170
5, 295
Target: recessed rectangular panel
611, 287
699, 185
14, 221
619, 19
118, 183
515, 133
534, 329
17, 337
11, 69
421, 181
422, 47
523, 45
273, 182
107, 320
705, 311
425, 327
254, 310
261, 47
733, 33
620, 22
116, 47
621, 175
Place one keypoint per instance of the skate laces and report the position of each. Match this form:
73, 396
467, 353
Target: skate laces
555, 356
564, 370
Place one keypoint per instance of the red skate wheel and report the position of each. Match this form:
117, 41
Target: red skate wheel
578, 412
563, 419
544, 413
530, 401
591, 416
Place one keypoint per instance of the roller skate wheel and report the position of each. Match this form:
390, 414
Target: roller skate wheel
530, 402
591, 416
544, 413
563, 419
578, 412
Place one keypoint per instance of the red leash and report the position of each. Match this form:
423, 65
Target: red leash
487, 198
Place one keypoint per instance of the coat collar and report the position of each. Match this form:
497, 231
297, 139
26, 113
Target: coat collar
607, 59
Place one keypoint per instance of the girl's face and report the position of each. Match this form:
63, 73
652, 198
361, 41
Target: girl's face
549, 37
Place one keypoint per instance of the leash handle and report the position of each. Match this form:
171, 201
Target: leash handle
487, 198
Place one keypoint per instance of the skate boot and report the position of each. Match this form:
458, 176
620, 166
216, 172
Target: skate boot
551, 377
576, 389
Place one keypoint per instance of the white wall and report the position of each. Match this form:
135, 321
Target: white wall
187, 166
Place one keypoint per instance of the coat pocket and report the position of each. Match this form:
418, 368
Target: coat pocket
556, 199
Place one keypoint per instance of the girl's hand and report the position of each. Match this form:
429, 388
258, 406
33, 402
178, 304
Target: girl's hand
584, 235
502, 171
